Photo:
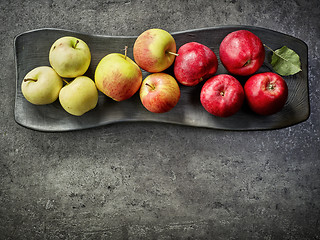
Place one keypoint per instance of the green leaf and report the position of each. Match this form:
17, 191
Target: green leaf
285, 61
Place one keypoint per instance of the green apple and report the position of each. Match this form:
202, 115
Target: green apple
41, 85
154, 50
70, 57
118, 77
79, 96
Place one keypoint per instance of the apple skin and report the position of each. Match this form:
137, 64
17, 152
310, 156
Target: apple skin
159, 92
79, 96
118, 77
242, 53
222, 95
70, 57
43, 86
151, 50
195, 63
266, 93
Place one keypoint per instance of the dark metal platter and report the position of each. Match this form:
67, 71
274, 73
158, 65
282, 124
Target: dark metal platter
32, 50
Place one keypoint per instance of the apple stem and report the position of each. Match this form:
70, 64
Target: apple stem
247, 63
152, 87
222, 93
125, 52
271, 86
29, 79
276, 53
75, 45
66, 82
176, 54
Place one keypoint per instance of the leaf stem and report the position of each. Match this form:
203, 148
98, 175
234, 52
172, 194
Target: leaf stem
275, 53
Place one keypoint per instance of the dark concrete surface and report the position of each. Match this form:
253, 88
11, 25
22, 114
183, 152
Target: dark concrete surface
152, 180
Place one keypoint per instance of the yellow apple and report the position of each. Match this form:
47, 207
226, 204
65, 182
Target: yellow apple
70, 57
118, 77
79, 96
154, 50
41, 85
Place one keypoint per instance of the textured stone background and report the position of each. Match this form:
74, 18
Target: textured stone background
152, 180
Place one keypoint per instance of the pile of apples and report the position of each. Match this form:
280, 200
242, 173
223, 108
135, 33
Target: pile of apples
69, 58
119, 77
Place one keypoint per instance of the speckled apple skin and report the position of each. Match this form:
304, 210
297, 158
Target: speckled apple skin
195, 63
118, 77
263, 100
151, 50
159, 92
242, 53
222, 95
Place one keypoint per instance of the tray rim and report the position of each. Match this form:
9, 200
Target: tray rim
173, 33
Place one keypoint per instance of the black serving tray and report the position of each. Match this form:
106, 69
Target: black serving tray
32, 50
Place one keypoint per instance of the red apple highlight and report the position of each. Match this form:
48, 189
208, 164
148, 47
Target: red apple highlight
195, 62
159, 92
266, 93
242, 53
222, 95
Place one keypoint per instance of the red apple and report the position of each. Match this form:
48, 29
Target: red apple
266, 93
222, 95
242, 53
195, 62
159, 92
